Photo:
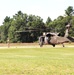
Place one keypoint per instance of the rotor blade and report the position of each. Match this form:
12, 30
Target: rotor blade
26, 31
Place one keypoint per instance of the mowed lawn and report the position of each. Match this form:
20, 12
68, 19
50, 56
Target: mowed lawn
37, 61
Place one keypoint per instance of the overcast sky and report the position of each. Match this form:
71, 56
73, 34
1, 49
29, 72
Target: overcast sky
42, 8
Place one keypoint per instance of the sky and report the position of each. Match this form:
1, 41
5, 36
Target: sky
42, 8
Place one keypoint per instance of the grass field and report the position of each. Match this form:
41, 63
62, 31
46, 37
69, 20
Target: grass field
37, 61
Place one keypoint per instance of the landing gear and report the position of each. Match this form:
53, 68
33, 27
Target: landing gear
41, 41
63, 45
53, 45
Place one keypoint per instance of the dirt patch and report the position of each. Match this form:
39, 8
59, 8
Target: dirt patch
30, 45
18, 44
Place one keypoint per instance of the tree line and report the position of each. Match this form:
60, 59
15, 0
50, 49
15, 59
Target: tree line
27, 28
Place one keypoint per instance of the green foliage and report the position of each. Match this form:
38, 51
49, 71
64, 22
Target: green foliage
21, 22
69, 11
48, 20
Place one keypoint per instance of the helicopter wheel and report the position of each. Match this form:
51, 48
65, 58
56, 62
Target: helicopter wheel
63, 45
53, 45
40, 41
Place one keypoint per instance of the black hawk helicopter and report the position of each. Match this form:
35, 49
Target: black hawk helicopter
54, 38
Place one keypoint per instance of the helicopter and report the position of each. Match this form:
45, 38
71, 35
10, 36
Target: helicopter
54, 38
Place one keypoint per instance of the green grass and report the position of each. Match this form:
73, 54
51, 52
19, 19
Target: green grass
37, 61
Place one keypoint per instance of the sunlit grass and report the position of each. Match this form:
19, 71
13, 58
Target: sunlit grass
37, 61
